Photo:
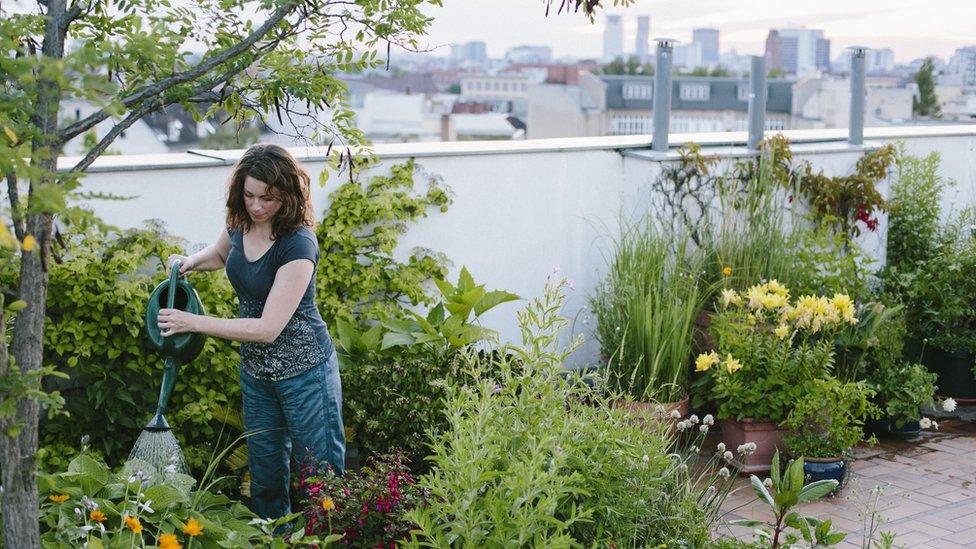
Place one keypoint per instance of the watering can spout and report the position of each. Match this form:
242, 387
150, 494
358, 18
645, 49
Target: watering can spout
158, 422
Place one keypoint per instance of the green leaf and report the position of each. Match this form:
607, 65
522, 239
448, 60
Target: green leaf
446, 288
747, 523
436, 315
493, 299
816, 490
163, 496
17, 305
11, 135
465, 281
393, 339
762, 492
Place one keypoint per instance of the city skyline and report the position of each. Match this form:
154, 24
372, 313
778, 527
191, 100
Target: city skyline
911, 30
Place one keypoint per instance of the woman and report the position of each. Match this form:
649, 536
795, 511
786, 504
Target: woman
289, 372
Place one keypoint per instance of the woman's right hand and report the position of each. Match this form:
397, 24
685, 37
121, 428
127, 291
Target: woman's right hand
186, 265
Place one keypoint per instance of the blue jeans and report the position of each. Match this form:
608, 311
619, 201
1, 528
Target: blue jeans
299, 416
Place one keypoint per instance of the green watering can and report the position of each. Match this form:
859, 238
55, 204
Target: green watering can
175, 293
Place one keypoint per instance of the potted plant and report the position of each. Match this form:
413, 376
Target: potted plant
645, 310
770, 349
826, 423
901, 388
942, 298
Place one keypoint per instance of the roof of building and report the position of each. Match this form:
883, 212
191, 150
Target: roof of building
723, 93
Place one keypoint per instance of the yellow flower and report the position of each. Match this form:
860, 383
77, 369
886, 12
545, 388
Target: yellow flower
755, 295
192, 528
28, 243
730, 297
706, 361
169, 541
133, 524
774, 287
97, 516
782, 331
727, 271
60, 498
773, 301
731, 364
845, 307
328, 504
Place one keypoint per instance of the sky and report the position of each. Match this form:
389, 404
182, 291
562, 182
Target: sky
912, 28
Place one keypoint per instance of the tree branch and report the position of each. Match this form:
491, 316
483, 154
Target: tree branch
158, 88
143, 110
15, 210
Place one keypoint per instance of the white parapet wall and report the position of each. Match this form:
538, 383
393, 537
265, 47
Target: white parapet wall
521, 209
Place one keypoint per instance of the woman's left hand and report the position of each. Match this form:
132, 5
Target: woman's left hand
174, 321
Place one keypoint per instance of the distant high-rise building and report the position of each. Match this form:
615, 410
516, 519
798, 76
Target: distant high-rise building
529, 54
708, 38
962, 66
470, 52
642, 47
804, 50
613, 38
688, 56
880, 61
774, 51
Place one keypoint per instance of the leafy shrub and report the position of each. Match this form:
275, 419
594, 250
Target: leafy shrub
358, 278
394, 375
365, 507
530, 459
828, 420
94, 333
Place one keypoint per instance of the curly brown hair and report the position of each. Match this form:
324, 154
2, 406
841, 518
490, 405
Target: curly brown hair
286, 181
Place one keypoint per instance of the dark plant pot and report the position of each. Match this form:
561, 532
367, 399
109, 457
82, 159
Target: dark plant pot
765, 434
815, 469
888, 427
352, 456
955, 371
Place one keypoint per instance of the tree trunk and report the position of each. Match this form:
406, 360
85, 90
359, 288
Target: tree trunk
21, 528
20, 509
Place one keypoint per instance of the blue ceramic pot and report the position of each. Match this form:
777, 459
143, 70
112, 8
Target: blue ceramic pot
815, 469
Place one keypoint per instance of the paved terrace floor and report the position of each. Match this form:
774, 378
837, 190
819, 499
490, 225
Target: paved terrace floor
924, 491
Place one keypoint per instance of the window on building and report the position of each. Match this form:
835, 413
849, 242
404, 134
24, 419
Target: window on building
504, 86
693, 92
523, 86
638, 91
744, 90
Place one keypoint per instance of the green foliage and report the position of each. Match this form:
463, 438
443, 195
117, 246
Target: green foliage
878, 337
913, 222
530, 459
394, 372
828, 420
88, 505
646, 309
786, 492
361, 280
95, 335
450, 323
926, 103
901, 387
840, 202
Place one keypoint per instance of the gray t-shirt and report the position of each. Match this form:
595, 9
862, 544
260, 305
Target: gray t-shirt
304, 342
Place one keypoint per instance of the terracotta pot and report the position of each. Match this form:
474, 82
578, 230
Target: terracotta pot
765, 434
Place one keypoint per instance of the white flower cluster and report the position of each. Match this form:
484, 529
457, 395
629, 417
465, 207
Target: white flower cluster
747, 449
926, 423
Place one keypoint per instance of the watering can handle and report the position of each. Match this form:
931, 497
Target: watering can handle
174, 275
